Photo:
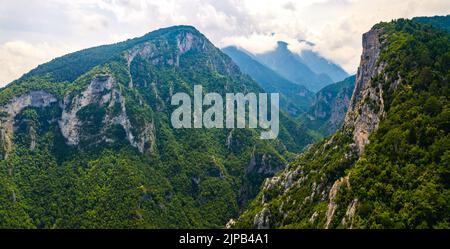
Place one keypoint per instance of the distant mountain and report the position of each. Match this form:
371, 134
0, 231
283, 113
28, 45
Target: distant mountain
320, 65
330, 106
290, 66
296, 99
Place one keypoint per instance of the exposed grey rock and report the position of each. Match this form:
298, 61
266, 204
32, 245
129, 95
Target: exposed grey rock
230, 224
367, 107
313, 217
69, 124
32, 135
262, 219
38, 99
102, 92
349, 214
332, 206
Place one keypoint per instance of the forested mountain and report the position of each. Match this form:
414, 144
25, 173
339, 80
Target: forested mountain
329, 107
296, 99
86, 140
388, 166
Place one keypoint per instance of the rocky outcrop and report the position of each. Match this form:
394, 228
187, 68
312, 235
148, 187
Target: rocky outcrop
258, 169
186, 42
366, 110
145, 141
332, 206
262, 219
98, 93
349, 214
9, 111
366, 106
102, 92
161, 54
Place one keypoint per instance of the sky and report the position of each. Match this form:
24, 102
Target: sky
33, 32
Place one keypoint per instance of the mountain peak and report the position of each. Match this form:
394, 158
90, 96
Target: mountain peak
174, 29
282, 44
63, 69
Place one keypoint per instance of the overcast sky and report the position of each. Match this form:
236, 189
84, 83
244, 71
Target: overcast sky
35, 31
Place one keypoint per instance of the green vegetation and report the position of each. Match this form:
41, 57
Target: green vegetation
402, 178
189, 178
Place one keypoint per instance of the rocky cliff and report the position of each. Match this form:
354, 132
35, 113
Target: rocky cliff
93, 129
306, 192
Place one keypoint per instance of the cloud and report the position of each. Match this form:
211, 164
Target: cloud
18, 57
55, 27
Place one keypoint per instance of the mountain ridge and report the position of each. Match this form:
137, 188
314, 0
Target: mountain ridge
295, 98
92, 131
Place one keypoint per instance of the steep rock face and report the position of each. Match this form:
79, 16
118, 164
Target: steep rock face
98, 93
349, 181
343, 182
101, 93
259, 168
318, 186
366, 106
9, 111
262, 219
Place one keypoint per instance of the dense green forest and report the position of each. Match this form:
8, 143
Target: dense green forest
401, 180
86, 140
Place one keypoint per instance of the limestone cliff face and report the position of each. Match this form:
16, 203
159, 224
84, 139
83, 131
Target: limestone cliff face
9, 111
88, 114
102, 92
366, 106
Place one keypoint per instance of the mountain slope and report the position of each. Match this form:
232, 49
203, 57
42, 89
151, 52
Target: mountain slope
320, 65
388, 166
289, 65
86, 140
329, 107
296, 99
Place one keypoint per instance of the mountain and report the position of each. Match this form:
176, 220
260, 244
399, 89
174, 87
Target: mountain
441, 22
320, 65
86, 140
388, 165
296, 99
290, 66
329, 107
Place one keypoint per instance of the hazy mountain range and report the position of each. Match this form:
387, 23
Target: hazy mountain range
307, 69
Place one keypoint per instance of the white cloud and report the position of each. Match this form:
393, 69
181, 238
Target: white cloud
55, 27
18, 57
